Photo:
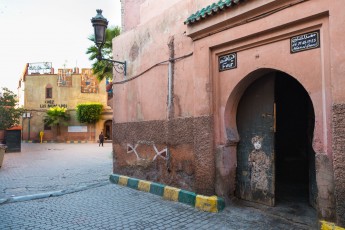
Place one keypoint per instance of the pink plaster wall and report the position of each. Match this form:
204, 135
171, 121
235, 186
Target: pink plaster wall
145, 98
130, 14
336, 51
263, 43
150, 9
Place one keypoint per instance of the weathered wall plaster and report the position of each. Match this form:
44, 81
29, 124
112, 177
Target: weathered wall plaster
338, 132
178, 152
262, 44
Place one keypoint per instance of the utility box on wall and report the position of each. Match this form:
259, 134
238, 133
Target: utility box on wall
13, 139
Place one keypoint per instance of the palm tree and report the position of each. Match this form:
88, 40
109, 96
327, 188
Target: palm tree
103, 69
56, 116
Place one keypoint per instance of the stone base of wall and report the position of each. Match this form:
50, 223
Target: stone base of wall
50, 135
338, 133
226, 171
178, 152
325, 185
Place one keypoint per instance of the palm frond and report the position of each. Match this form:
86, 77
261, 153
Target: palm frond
103, 69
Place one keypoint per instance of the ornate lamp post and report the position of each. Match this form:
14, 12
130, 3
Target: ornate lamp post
100, 24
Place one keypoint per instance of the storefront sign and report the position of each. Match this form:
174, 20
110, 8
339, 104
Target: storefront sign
228, 61
77, 129
305, 42
40, 68
50, 103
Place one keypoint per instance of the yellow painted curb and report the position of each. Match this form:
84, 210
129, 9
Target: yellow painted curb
329, 226
206, 203
144, 186
123, 180
171, 193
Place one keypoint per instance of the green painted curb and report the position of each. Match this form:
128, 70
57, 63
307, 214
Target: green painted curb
133, 183
187, 197
157, 189
220, 203
184, 196
114, 178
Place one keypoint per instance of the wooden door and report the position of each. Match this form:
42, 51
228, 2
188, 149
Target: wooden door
255, 151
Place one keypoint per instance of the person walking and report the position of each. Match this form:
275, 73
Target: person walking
101, 139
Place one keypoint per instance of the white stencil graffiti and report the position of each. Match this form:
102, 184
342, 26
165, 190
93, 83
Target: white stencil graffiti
162, 154
131, 149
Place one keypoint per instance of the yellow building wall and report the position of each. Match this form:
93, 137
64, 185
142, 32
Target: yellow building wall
84, 88
35, 92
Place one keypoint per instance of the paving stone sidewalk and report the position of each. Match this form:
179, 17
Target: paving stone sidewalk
115, 207
40, 168
45, 168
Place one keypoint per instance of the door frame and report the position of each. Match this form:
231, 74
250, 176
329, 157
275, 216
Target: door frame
255, 173
229, 148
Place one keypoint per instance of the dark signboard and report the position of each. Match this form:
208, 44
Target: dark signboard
305, 42
228, 61
13, 140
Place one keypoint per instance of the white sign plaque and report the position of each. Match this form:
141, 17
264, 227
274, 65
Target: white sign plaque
77, 129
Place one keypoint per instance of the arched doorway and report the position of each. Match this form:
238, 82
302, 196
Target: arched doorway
108, 130
275, 159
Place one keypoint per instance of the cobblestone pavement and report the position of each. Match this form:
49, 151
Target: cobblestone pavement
49, 167
115, 207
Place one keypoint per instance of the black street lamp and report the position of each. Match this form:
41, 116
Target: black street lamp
100, 24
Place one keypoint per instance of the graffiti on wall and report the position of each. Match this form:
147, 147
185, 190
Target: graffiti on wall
89, 83
162, 154
259, 163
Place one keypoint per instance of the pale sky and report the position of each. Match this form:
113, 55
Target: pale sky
48, 31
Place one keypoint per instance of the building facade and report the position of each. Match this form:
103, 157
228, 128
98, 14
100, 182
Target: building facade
235, 98
40, 89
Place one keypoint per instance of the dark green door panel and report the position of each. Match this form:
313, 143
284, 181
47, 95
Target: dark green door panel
255, 151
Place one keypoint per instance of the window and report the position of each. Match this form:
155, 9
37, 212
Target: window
49, 91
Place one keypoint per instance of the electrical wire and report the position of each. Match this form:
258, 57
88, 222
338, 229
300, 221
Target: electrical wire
157, 64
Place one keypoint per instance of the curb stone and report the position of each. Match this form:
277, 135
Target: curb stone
58, 142
203, 203
329, 226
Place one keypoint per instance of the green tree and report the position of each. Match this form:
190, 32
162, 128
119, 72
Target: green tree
56, 116
9, 113
103, 69
89, 113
